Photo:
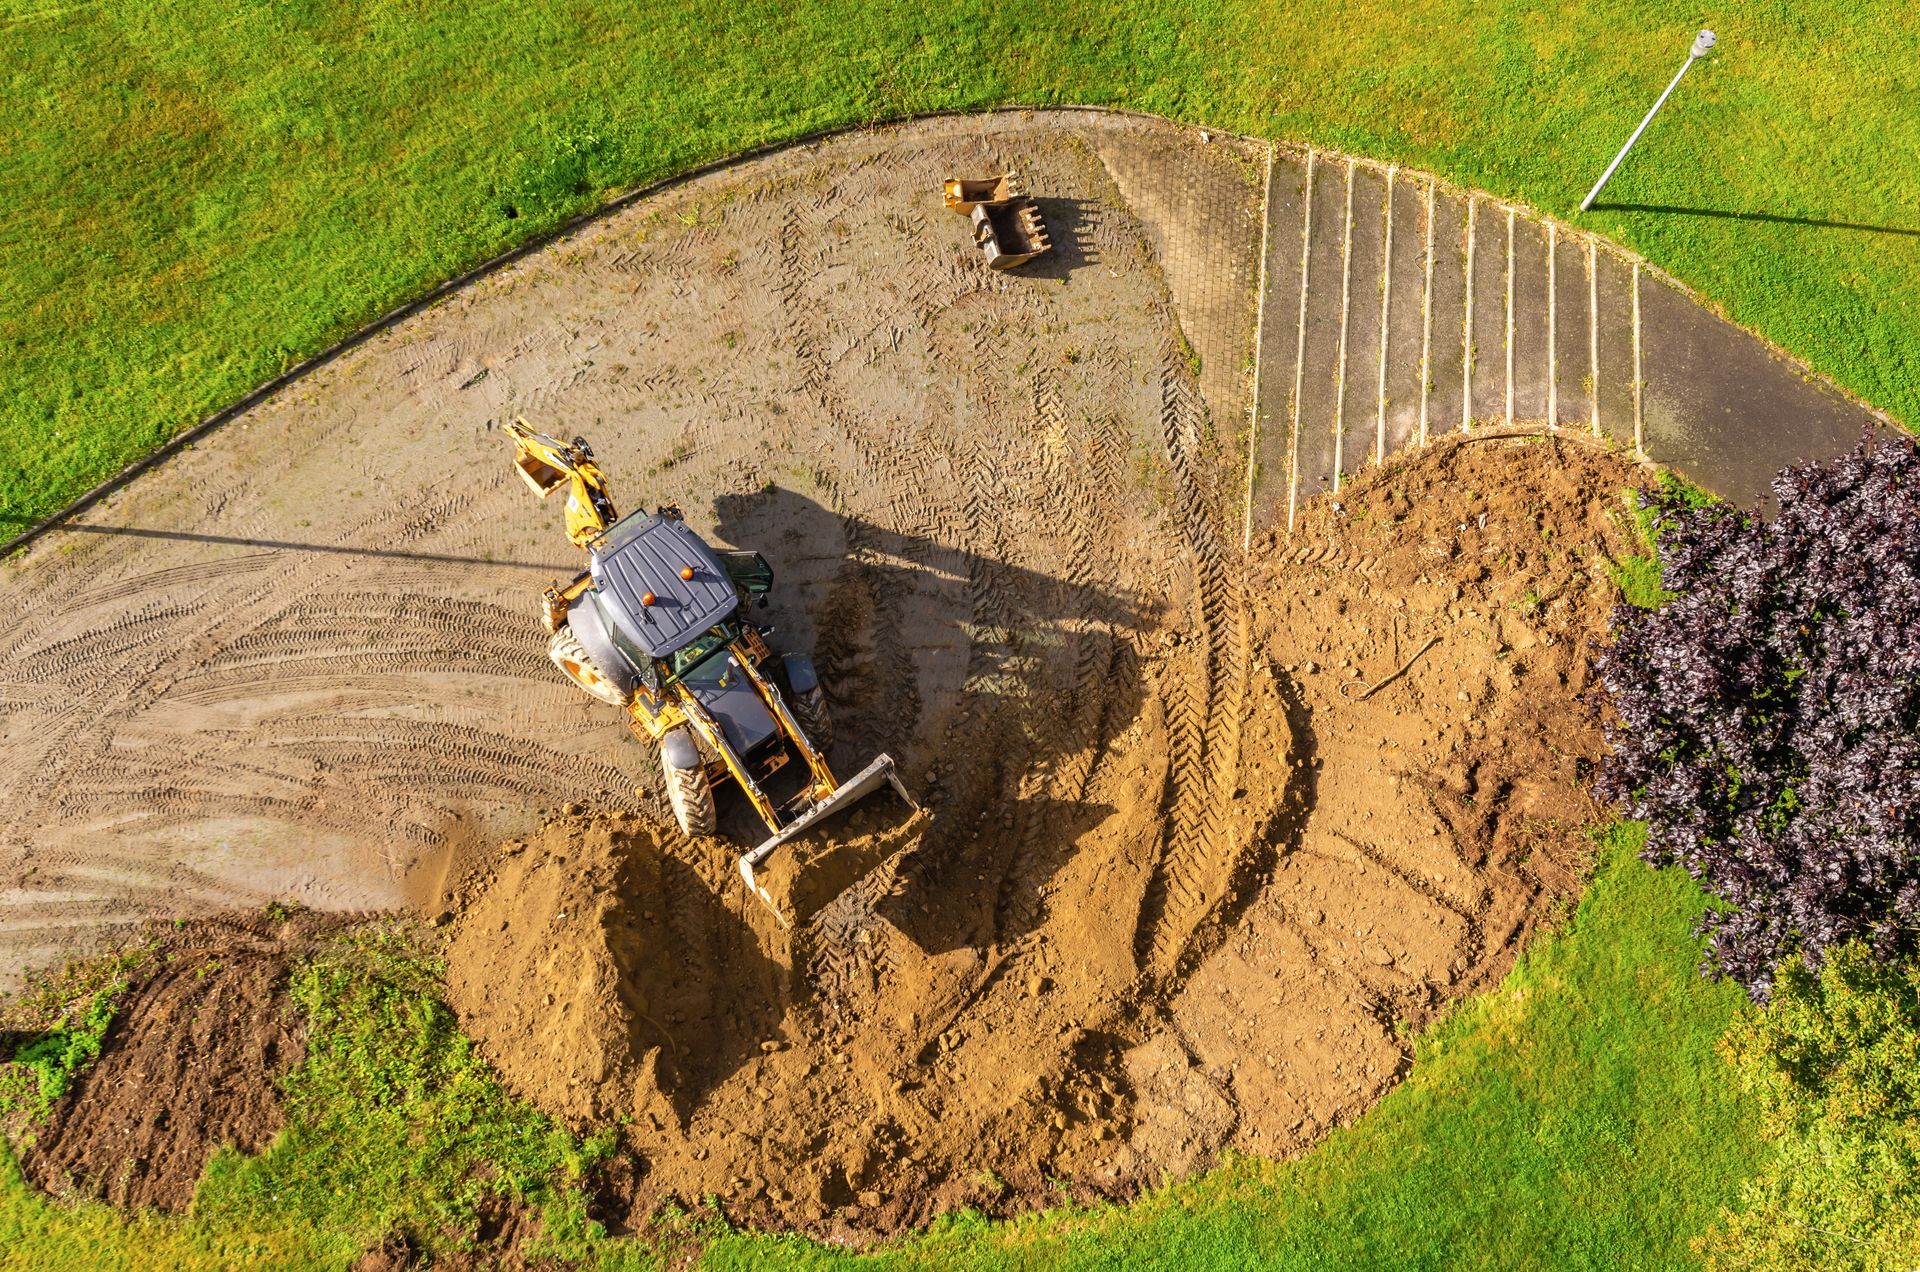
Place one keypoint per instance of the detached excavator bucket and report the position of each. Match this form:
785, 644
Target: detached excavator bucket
964, 194
864, 783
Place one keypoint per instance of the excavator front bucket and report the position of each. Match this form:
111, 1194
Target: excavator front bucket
864, 783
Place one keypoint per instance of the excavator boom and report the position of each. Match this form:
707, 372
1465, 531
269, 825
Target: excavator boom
547, 464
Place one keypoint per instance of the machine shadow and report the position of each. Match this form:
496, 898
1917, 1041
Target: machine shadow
1073, 248
696, 988
981, 678
287, 545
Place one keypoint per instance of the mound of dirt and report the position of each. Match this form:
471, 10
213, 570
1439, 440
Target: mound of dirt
1184, 900
191, 1062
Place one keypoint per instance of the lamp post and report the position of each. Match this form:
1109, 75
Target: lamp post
1701, 44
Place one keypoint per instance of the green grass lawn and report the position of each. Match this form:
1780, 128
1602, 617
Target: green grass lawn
196, 196
1576, 1117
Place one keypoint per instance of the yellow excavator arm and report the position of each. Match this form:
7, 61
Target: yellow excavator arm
548, 464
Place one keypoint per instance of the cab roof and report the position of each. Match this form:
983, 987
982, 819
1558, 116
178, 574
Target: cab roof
642, 554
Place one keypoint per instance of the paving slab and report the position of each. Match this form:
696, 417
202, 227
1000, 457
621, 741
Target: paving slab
1279, 336
1314, 412
1614, 279
1531, 372
1490, 313
1407, 272
1573, 368
1723, 408
1199, 209
1449, 293
1360, 416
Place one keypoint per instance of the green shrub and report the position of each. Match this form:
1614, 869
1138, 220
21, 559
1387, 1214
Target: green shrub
1835, 1063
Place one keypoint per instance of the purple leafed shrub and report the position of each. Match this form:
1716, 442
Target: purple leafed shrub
1766, 711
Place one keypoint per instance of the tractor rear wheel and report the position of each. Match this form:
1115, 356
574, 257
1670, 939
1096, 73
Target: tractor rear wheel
810, 713
690, 795
577, 665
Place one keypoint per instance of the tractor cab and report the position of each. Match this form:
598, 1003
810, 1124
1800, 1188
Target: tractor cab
665, 608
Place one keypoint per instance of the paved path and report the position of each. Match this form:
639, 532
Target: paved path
1396, 308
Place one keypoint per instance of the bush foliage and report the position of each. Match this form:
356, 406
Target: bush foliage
1767, 710
1834, 1061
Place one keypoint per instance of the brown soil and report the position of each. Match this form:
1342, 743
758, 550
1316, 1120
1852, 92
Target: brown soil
1180, 902
303, 660
191, 1062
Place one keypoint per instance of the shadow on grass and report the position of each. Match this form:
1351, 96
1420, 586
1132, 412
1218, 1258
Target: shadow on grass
1777, 218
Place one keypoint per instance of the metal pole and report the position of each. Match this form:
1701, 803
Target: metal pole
1701, 44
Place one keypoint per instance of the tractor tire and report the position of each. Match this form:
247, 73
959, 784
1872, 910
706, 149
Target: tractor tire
690, 795
579, 666
810, 713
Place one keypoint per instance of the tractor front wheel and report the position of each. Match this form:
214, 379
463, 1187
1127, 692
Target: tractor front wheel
810, 713
690, 795
577, 665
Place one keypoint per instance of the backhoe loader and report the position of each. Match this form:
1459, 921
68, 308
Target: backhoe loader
657, 625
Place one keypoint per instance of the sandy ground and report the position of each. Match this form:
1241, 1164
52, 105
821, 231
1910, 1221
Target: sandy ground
302, 661
1192, 925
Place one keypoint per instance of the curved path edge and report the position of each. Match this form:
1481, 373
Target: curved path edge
1275, 278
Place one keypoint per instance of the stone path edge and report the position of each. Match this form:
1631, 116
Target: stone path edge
620, 200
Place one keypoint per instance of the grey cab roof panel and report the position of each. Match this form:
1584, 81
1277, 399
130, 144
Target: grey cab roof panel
641, 554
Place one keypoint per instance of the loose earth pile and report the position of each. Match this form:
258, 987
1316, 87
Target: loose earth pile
191, 1062
1124, 938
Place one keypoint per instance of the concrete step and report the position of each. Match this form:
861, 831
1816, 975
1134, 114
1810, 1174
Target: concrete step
1404, 297
1279, 339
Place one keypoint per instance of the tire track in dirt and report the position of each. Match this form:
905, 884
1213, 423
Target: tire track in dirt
965, 454
1130, 936
1197, 858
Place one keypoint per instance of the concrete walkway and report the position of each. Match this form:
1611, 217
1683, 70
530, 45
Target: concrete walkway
1395, 308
